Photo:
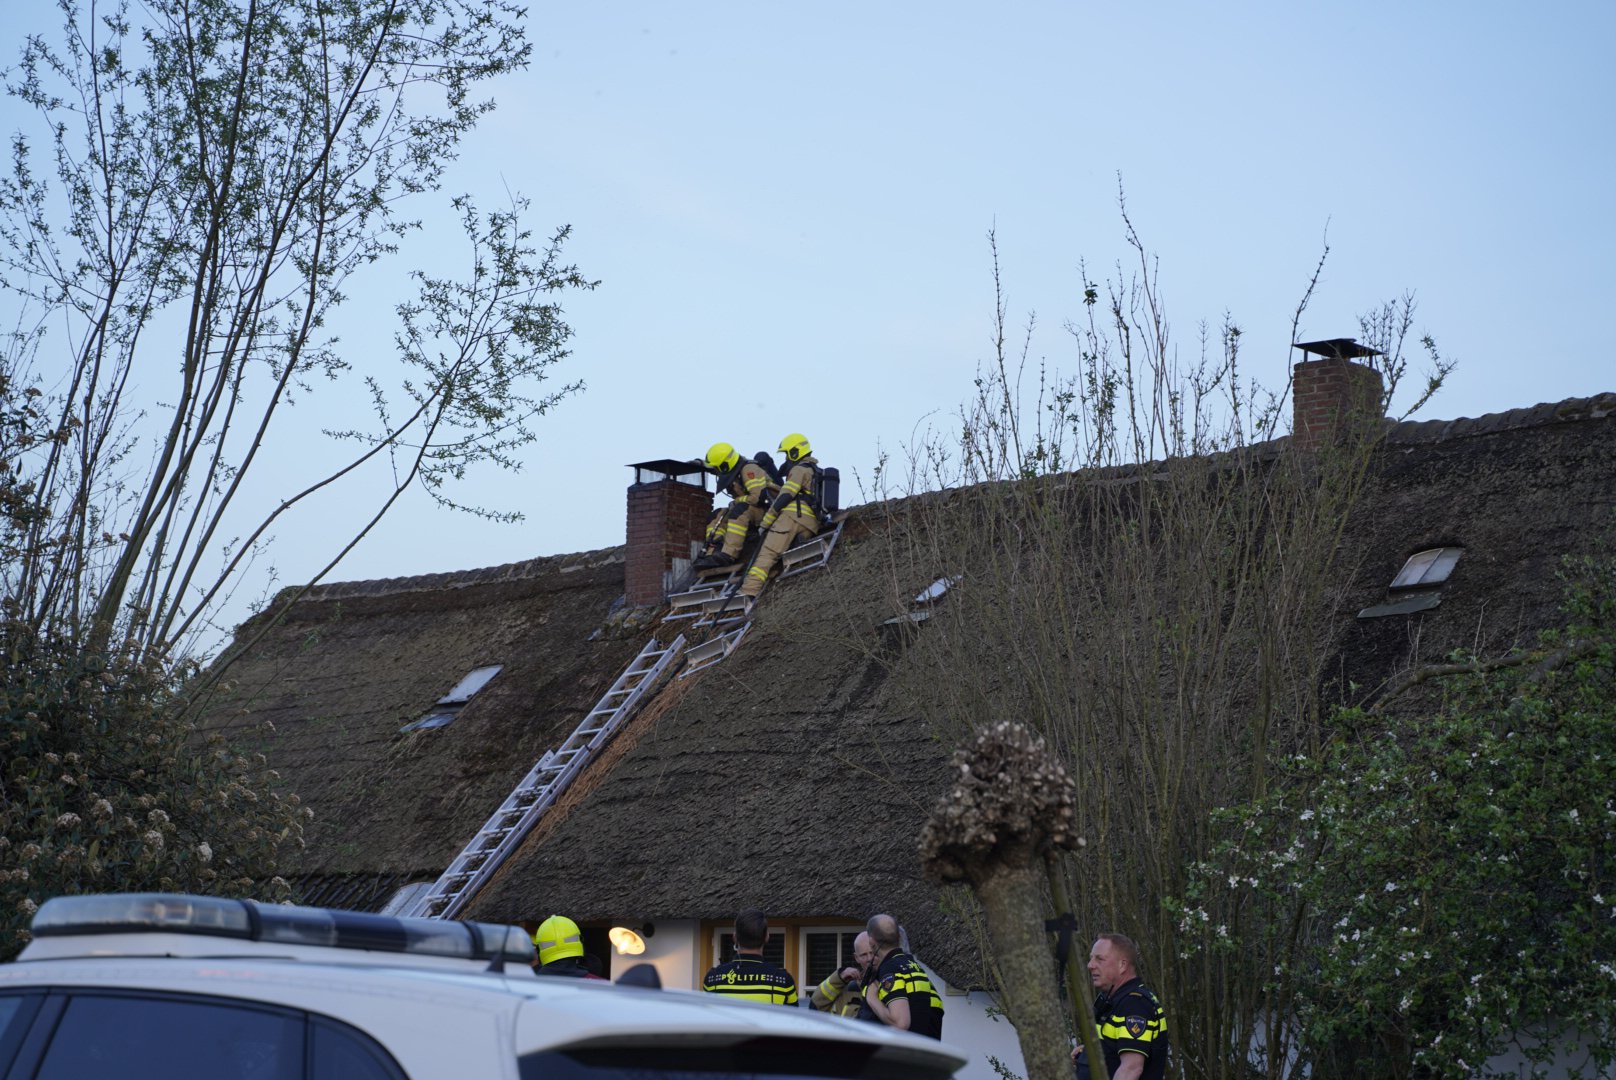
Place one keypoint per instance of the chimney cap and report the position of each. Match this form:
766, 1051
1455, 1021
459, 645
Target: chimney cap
1341, 348
669, 469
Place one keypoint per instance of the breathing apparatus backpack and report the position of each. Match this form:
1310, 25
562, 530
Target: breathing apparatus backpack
764, 461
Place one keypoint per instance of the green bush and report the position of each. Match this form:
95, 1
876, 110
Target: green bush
1439, 886
102, 791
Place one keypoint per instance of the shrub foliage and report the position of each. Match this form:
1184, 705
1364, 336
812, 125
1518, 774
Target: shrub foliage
1438, 885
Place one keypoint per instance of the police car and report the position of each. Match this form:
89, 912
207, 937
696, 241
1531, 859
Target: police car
190, 987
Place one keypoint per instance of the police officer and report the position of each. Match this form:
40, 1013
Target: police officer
749, 977
751, 490
1132, 1026
794, 512
901, 993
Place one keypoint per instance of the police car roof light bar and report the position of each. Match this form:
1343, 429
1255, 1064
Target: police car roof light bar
172, 913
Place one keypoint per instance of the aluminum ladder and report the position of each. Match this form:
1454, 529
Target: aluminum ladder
543, 784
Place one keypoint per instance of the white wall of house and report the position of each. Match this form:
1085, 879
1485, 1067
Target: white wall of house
675, 951
672, 950
968, 1025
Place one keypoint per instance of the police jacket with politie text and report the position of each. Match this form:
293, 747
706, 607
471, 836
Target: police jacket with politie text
752, 978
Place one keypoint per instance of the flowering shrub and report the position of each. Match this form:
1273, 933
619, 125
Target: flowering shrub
1438, 888
101, 791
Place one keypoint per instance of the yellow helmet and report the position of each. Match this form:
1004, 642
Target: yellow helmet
795, 447
557, 937
721, 457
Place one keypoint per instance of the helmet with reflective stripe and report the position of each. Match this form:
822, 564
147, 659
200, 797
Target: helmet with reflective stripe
721, 457
795, 447
557, 937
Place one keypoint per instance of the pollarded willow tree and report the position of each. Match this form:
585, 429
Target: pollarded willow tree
1142, 574
212, 179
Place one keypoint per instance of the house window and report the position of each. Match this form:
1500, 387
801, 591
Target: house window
1429, 567
449, 705
824, 950
810, 948
774, 950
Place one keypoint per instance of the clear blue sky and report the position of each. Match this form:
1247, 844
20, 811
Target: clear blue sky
787, 208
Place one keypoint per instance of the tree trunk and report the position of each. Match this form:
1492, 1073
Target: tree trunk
1012, 901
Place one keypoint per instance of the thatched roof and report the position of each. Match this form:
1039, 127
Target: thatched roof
795, 775
1518, 490
351, 663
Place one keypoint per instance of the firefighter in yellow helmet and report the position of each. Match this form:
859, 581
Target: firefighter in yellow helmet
794, 512
560, 947
751, 490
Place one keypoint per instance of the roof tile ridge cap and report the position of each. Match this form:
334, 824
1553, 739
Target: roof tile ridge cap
524, 570
1595, 407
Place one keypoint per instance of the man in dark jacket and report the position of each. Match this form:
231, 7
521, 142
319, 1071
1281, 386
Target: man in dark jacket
1132, 1026
749, 977
901, 994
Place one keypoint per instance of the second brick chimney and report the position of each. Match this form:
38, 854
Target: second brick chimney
668, 507
1331, 392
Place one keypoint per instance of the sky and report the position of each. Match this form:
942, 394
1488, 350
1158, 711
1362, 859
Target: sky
788, 205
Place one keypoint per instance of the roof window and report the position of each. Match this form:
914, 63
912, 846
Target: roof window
1418, 585
449, 705
922, 604
1429, 567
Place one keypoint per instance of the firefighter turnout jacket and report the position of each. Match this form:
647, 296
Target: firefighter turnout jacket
752, 978
794, 513
752, 492
838, 996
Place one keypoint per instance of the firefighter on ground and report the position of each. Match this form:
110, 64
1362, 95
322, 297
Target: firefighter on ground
751, 491
560, 949
794, 512
842, 992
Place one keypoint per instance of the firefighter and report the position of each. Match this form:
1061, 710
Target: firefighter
560, 948
751, 490
842, 992
794, 513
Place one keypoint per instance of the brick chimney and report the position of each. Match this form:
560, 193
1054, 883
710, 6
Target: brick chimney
1330, 392
668, 507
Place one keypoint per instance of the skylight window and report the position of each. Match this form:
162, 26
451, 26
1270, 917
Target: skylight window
1417, 586
449, 705
468, 686
1429, 567
922, 604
